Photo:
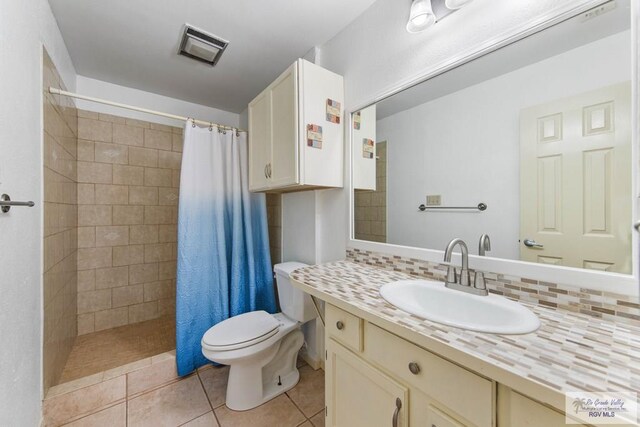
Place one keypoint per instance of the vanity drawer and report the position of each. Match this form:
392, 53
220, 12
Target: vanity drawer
344, 327
468, 395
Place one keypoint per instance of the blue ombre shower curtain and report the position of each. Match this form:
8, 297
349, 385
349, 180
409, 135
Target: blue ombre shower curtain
224, 267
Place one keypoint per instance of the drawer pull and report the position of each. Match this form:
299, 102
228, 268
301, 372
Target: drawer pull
414, 368
396, 413
339, 325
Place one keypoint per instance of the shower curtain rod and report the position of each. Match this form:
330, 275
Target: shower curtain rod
140, 109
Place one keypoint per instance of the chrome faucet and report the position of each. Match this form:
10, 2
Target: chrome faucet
483, 246
463, 282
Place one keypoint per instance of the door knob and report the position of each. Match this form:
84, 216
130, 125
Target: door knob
339, 325
530, 243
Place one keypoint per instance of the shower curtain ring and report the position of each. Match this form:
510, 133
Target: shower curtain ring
193, 123
210, 126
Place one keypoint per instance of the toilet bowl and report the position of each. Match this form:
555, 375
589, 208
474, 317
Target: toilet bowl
261, 348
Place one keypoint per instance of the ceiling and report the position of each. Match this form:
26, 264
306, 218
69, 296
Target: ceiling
134, 43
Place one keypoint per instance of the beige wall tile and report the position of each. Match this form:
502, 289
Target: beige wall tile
86, 323
157, 139
175, 179
111, 118
86, 150
154, 177
158, 214
167, 233
158, 290
168, 196
143, 234
167, 159
90, 172
128, 215
143, 157
128, 255
144, 311
89, 258
128, 175
86, 280
112, 277
94, 215
128, 135
143, 196
177, 142
143, 273
111, 194
88, 114
86, 237
138, 123
158, 252
92, 301
94, 130
127, 295
167, 270
86, 194
113, 235
158, 126
112, 318
111, 153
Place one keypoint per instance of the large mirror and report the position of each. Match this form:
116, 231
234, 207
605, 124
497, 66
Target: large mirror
530, 144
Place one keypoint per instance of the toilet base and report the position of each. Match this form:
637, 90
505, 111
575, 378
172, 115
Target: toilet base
251, 385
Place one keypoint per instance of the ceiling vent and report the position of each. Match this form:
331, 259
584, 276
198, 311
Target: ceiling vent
201, 46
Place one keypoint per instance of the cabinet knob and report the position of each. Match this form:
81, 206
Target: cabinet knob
339, 325
414, 368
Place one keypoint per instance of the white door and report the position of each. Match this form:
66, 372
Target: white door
575, 182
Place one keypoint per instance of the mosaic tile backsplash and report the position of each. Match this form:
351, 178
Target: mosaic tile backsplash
600, 304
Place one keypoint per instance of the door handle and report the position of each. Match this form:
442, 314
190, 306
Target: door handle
269, 169
396, 413
266, 175
532, 244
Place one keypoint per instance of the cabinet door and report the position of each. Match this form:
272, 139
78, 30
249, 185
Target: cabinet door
359, 395
283, 169
259, 141
515, 409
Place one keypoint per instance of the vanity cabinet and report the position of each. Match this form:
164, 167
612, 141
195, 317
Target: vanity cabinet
296, 131
374, 378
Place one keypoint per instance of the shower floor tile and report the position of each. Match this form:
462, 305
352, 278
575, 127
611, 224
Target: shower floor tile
104, 350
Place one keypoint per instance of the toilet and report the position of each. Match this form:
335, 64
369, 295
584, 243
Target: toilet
260, 348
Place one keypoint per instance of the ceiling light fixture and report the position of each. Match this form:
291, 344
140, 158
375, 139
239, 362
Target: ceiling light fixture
456, 4
421, 16
201, 46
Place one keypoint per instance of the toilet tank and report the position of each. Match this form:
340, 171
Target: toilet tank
294, 303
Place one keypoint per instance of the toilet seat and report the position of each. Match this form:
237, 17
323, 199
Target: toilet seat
241, 331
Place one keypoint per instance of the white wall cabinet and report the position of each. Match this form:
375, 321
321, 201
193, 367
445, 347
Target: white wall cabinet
375, 378
296, 128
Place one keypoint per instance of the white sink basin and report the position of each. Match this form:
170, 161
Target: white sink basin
433, 301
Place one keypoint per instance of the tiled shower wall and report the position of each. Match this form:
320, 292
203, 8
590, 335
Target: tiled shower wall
128, 179
60, 225
370, 222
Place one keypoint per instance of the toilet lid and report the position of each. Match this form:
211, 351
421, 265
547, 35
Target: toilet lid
241, 331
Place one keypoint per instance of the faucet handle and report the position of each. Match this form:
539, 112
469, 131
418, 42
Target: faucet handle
479, 282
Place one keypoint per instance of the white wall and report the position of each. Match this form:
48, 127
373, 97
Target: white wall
112, 92
24, 27
430, 153
376, 55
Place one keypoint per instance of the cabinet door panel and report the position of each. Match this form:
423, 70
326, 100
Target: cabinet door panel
358, 394
259, 141
284, 133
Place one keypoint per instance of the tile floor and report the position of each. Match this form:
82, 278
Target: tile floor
100, 351
149, 393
